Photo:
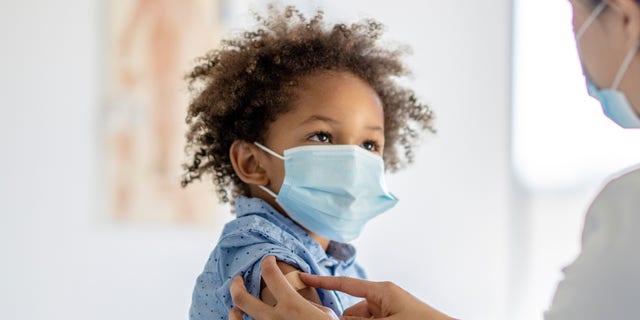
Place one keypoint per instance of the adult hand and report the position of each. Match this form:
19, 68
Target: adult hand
383, 300
290, 304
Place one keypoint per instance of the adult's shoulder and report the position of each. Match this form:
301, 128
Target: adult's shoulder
602, 283
620, 195
616, 205
628, 178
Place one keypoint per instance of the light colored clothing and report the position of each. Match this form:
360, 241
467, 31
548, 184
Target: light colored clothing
604, 281
259, 231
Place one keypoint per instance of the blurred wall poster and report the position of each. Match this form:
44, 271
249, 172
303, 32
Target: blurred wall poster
150, 46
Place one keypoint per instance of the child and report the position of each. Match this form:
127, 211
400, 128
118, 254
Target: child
293, 121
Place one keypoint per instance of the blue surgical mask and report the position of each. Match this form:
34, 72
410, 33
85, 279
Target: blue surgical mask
332, 190
615, 104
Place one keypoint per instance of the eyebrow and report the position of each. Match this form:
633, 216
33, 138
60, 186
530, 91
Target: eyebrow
314, 118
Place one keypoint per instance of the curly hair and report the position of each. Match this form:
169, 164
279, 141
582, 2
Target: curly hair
239, 89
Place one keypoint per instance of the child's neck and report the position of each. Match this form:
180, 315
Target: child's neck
324, 242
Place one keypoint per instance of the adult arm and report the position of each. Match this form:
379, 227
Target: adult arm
382, 299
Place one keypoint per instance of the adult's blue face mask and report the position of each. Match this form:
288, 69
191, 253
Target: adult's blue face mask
332, 190
615, 104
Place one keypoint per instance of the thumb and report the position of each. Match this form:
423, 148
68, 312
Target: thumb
235, 314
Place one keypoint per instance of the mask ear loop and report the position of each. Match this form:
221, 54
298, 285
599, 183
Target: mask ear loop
596, 12
625, 65
273, 153
269, 151
265, 189
583, 28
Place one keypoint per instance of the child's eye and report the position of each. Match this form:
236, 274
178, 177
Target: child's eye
320, 137
370, 145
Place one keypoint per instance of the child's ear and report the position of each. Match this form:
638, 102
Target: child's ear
244, 159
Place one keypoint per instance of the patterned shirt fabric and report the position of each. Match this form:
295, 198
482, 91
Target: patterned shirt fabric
259, 231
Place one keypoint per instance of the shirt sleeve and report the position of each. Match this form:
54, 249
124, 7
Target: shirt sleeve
237, 254
603, 282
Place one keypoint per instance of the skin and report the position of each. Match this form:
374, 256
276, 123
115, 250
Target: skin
330, 108
602, 50
383, 300
607, 41
290, 304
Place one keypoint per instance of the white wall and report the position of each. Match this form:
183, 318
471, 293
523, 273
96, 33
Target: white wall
446, 241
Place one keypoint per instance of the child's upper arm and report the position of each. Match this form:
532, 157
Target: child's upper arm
308, 293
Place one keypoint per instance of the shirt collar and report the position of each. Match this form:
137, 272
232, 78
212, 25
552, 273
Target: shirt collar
343, 253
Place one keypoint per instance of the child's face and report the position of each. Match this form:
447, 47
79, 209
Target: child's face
331, 108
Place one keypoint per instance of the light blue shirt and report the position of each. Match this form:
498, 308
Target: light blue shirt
259, 231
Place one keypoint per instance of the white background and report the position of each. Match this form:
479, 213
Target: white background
461, 237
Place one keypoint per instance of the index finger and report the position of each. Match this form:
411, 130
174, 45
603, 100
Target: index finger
355, 287
276, 281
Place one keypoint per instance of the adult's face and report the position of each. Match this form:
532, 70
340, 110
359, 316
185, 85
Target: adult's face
605, 42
